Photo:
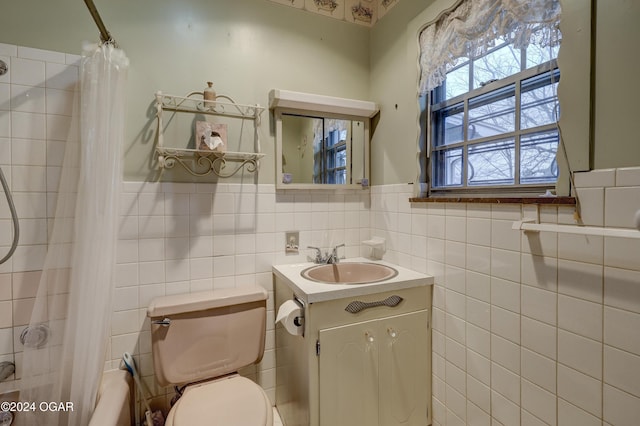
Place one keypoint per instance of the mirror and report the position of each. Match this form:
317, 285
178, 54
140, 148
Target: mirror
321, 142
321, 150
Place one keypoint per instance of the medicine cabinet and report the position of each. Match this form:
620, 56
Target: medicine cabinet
322, 142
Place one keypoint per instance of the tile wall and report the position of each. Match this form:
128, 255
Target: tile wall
36, 101
527, 329
181, 238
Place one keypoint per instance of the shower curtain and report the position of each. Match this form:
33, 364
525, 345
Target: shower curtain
66, 342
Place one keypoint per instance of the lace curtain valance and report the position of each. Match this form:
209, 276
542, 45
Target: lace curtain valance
473, 26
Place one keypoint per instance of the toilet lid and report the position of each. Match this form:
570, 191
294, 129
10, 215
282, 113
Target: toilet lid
234, 401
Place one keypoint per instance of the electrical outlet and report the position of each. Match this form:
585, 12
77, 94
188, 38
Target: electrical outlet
292, 242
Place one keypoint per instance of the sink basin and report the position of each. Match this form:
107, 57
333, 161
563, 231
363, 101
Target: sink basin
349, 273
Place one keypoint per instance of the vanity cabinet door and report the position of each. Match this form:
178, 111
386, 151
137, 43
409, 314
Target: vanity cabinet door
404, 369
376, 373
349, 375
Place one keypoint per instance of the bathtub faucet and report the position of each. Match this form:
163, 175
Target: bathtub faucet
327, 258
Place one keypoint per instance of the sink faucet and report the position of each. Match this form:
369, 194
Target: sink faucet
327, 258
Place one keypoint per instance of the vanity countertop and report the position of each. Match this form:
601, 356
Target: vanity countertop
312, 292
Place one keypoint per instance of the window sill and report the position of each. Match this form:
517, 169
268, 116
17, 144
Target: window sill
564, 201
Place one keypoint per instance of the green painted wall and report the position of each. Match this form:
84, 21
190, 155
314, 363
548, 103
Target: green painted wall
246, 47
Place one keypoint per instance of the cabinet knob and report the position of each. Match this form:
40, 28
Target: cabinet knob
370, 338
392, 333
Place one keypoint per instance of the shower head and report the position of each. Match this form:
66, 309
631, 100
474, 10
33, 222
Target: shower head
3, 67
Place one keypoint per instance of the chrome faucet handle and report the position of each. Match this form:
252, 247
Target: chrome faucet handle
318, 253
334, 254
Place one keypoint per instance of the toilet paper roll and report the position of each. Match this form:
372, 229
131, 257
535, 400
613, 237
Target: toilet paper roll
287, 314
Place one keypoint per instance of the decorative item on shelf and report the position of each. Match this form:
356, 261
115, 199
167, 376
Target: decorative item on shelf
209, 94
211, 137
210, 154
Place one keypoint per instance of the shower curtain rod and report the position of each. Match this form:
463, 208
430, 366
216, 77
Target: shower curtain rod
105, 36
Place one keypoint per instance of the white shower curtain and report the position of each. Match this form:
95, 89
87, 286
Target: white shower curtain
74, 301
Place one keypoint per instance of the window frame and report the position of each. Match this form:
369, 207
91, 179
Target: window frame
432, 108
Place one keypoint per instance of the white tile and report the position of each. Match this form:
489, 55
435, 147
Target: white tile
150, 292
580, 389
620, 408
479, 394
580, 316
61, 76
592, 206
151, 226
456, 378
570, 415
528, 419
595, 178
505, 382
539, 337
538, 271
151, 249
582, 280
8, 49
478, 340
201, 268
628, 176
435, 249
539, 370
41, 55
124, 322
479, 258
622, 370
126, 274
456, 228
456, 403
621, 206
58, 127
621, 289
455, 328
581, 248
539, 304
27, 72
152, 272
539, 402
479, 231
621, 329
5, 124
28, 152
478, 313
27, 99
478, 286
579, 353
201, 246
455, 304
505, 411
505, 294
27, 125
59, 102
506, 211
125, 298
505, 264
505, 324
5, 152
436, 226
622, 252
479, 367
503, 236
455, 278
29, 179
505, 353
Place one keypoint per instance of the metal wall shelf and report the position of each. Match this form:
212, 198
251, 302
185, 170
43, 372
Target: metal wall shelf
530, 225
203, 162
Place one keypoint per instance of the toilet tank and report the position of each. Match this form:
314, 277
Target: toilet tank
206, 334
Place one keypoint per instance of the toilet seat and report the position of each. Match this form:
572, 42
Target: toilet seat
230, 401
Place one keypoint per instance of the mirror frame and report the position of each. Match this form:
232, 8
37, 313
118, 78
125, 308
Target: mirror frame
306, 104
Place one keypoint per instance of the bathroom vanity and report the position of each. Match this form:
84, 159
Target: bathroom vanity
365, 355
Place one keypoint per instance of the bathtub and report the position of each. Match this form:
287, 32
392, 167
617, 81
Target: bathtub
115, 400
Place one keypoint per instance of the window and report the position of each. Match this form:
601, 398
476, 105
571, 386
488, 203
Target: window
330, 151
493, 120
488, 84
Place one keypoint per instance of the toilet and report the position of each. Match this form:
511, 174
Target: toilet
200, 340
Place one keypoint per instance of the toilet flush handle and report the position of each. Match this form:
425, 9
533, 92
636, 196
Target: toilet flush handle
164, 322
